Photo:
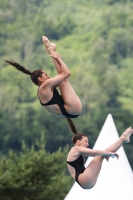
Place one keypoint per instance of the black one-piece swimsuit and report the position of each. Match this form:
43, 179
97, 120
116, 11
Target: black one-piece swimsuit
57, 99
79, 167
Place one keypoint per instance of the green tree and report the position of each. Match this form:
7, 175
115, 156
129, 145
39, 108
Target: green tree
34, 174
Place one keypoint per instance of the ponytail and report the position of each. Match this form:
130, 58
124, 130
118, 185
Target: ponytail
33, 75
72, 126
18, 67
77, 135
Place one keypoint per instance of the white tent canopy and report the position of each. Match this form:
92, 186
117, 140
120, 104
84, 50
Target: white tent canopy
115, 181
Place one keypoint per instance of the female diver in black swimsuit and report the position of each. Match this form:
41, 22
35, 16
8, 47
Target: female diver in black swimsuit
67, 103
87, 177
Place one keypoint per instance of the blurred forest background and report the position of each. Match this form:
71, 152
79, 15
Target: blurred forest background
95, 40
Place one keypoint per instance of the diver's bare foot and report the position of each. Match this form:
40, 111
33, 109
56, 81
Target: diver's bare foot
126, 135
50, 47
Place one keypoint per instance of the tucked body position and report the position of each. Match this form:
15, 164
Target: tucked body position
64, 104
87, 177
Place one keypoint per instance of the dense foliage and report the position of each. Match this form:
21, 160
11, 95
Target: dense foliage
96, 42
30, 176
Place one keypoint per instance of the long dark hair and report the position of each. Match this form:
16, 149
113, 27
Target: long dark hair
77, 135
33, 75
